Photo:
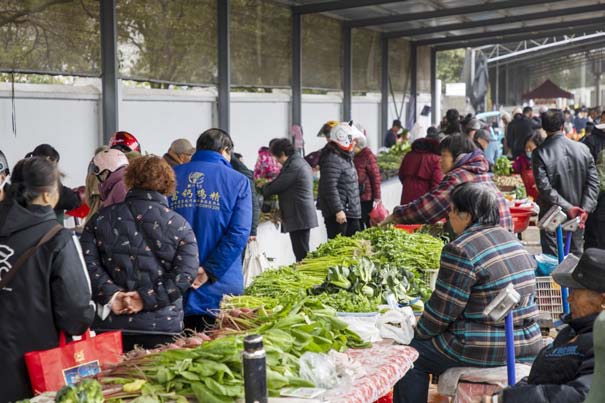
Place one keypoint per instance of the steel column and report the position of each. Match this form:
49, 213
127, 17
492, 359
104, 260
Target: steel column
384, 89
296, 69
347, 76
414, 83
224, 64
433, 86
109, 69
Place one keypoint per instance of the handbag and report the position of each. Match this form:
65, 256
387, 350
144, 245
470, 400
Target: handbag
50, 370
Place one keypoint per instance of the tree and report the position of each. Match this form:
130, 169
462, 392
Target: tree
449, 66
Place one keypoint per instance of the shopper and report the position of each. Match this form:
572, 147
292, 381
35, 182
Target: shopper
4, 175
518, 131
68, 198
50, 291
482, 261
109, 166
523, 166
450, 124
566, 176
142, 257
368, 179
180, 152
581, 119
266, 166
294, 186
563, 370
339, 199
420, 170
390, 138
313, 158
595, 225
460, 162
238, 164
471, 127
216, 200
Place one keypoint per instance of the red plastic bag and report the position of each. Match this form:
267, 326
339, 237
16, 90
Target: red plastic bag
50, 370
378, 214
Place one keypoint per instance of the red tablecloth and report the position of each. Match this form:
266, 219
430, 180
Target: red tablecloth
384, 364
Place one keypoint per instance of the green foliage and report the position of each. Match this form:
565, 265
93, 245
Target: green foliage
449, 66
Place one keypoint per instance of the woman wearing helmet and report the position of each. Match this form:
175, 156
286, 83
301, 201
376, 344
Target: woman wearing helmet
110, 166
125, 142
4, 174
339, 199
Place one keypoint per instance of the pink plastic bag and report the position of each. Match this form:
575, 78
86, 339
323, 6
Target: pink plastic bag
378, 214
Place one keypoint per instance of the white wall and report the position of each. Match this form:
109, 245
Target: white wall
366, 110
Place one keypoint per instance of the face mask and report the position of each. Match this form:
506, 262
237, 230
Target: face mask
528, 154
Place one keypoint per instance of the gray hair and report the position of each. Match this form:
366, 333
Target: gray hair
478, 200
362, 142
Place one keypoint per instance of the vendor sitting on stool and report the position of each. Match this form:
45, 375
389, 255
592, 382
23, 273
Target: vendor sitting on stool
563, 371
474, 268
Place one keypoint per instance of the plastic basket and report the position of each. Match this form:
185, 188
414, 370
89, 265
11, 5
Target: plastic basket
548, 297
430, 277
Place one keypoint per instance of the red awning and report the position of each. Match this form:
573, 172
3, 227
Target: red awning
547, 90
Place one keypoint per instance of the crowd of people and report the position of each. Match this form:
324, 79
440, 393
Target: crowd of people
163, 237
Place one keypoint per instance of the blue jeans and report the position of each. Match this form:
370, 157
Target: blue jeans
414, 386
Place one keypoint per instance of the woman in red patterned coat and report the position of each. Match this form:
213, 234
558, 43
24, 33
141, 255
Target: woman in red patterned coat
368, 177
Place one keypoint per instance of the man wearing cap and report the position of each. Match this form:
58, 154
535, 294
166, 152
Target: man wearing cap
563, 371
180, 152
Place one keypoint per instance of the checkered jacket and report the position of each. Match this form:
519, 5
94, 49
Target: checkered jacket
474, 269
434, 206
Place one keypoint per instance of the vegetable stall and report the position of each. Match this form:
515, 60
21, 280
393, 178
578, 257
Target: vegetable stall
296, 309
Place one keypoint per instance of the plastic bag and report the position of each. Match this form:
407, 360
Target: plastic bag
546, 264
364, 326
397, 324
255, 263
378, 214
319, 370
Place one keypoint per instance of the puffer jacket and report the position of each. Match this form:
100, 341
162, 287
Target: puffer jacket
338, 187
435, 205
114, 189
141, 245
49, 293
420, 170
566, 175
563, 371
368, 175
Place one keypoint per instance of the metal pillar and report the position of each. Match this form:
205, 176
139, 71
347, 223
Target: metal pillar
347, 75
224, 64
384, 89
109, 67
296, 69
433, 86
414, 83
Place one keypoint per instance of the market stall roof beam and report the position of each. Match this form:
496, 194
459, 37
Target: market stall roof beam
338, 5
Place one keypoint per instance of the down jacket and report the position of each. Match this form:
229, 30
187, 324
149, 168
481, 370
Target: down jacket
368, 175
563, 371
49, 293
420, 170
338, 187
141, 245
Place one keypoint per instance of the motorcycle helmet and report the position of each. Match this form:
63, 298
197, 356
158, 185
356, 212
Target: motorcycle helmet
342, 135
125, 142
107, 162
326, 128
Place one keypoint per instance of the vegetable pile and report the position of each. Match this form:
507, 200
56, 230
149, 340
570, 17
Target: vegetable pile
503, 166
389, 161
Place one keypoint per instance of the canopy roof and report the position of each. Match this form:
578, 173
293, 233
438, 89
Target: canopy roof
548, 90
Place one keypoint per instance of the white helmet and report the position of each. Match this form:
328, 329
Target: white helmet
343, 135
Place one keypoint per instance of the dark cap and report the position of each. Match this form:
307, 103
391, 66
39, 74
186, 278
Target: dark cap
587, 272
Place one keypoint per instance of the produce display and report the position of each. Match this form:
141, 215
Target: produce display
355, 274
390, 161
503, 166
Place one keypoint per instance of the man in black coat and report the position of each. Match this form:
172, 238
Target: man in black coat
517, 132
595, 225
566, 176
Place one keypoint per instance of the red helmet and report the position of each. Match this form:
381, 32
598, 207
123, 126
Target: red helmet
125, 142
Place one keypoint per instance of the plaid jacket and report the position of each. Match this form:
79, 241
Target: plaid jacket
474, 269
434, 206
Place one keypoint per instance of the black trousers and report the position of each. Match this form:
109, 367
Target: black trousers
366, 208
146, 341
549, 243
300, 243
347, 229
594, 236
199, 323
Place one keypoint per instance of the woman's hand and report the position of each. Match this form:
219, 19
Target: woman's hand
388, 221
341, 217
118, 305
201, 279
134, 302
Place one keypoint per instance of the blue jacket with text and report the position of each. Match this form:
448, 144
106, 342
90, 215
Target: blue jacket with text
216, 200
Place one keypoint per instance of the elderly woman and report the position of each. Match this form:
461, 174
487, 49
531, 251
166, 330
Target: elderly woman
461, 162
484, 259
562, 372
142, 258
368, 178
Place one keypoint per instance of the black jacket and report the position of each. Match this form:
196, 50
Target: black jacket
160, 265
294, 185
565, 174
562, 372
338, 187
517, 132
595, 142
49, 293
243, 169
